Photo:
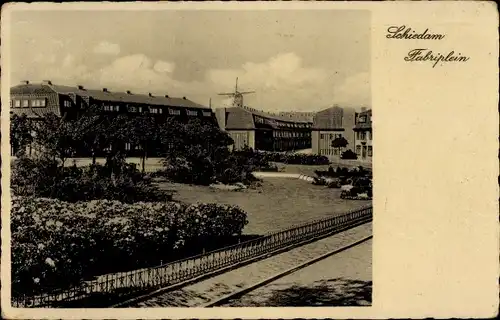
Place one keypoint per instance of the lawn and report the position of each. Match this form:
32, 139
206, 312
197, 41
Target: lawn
278, 203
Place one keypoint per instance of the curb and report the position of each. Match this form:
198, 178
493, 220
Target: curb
306, 178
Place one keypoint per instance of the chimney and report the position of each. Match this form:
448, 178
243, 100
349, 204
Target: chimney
150, 94
25, 82
166, 96
81, 87
104, 89
184, 98
47, 82
129, 92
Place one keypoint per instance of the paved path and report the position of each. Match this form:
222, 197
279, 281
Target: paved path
342, 279
200, 293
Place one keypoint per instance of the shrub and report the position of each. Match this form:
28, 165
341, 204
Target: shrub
57, 244
343, 172
349, 155
45, 178
296, 158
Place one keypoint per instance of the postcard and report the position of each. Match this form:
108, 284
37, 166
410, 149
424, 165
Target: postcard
216, 160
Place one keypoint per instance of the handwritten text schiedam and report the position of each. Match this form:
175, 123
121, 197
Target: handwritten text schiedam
425, 54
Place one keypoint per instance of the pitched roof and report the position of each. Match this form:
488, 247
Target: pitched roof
107, 96
330, 118
273, 116
238, 118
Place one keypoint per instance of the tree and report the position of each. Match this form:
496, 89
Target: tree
144, 132
90, 130
20, 132
196, 152
55, 136
339, 143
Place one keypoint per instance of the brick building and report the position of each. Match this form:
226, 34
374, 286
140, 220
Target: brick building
329, 124
38, 99
363, 135
264, 131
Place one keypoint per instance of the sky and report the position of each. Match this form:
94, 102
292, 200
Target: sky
294, 60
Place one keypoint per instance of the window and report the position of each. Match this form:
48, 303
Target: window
174, 112
370, 151
127, 146
132, 109
25, 104
160, 110
117, 108
362, 119
140, 109
192, 113
207, 114
153, 110
67, 104
369, 135
38, 103
358, 150
361, 135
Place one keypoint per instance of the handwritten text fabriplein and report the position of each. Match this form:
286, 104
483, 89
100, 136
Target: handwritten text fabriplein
418, 55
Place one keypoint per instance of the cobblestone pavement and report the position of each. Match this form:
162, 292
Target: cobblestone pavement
219, 286
342, 279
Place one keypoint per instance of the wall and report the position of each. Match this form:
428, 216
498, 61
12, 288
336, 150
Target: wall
324, 142
220, 114
242, 138
361, 142
348, 123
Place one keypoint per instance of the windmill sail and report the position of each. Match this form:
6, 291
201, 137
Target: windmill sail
237, 96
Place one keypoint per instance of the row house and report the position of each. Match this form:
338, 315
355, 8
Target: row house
363, 135
264, 131
38, 99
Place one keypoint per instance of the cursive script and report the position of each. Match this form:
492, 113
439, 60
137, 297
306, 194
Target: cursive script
402, 32
428, 55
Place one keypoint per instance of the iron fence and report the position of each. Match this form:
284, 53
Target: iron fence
124, 284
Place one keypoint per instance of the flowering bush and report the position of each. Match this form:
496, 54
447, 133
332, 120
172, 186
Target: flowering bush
57, 244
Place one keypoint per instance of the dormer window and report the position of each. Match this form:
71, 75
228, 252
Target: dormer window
362, 119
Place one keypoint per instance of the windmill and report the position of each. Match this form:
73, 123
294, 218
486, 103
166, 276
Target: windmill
237, 95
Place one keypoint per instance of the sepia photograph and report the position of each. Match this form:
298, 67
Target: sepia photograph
190, 158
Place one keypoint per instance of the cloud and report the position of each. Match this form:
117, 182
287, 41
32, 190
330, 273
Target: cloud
68, 61
107, 48
355, 91
282, 82
164, 67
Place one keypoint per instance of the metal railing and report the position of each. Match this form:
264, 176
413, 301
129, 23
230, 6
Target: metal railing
125, 284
